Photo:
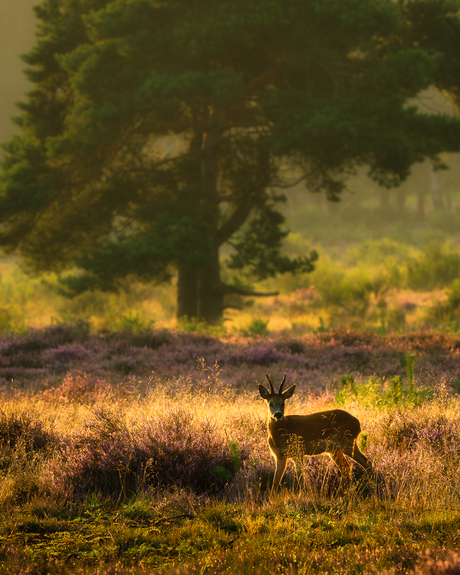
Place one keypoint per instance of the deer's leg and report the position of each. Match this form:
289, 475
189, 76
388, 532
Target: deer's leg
281, 463
345, 469
360, 458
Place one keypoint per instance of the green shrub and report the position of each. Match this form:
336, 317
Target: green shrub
436, 267
377, 252
193, 325
446, 314
6, 324
132, 322
349, 292
377, 393
453, 296
257, 327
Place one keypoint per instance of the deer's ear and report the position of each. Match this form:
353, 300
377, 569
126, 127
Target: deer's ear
289, 392
264, 392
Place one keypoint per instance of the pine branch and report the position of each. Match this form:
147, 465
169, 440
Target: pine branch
234, 222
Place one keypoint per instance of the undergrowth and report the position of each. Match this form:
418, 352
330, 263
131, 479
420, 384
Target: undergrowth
164, 475
381, 285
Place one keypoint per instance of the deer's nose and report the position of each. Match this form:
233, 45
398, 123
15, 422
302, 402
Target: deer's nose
278, 415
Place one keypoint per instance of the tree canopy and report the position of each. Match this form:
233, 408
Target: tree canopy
159, 131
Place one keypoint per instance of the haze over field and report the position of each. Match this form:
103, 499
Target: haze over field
17, 26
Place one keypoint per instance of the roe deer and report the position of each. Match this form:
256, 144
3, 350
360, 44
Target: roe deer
334, 432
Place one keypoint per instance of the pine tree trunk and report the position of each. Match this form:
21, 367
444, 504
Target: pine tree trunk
187, 291
210, 294
198, 292
188, 276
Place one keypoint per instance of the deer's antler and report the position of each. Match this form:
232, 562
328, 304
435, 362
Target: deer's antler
280, 390
272, 389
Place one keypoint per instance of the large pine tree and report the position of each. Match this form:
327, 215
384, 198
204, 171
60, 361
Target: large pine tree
158, 131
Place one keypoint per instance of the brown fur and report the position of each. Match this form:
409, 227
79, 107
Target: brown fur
334, 432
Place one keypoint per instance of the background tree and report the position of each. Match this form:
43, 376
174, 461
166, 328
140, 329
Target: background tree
157, 132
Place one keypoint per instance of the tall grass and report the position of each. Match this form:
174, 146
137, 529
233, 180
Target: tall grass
174, 477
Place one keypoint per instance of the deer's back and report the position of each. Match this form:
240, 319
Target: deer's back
321, 431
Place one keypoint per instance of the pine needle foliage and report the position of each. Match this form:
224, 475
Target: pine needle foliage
158, 132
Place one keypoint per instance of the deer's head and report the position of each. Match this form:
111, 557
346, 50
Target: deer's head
276, 401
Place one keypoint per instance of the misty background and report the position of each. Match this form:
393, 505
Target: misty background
440, 188
17, 36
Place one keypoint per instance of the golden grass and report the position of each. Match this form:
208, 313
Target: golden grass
415, 507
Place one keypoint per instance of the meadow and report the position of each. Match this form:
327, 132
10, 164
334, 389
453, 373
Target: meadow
145, 451
134, 443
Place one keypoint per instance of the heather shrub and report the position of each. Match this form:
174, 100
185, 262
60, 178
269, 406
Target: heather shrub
294, 346
413, 479
20, 428
144, 337
416, 455
171, 449
79, 387
191, 452
126, 359
100, 457
259, 353
64, 356
21, 474
37, 340
24, 448
405, 430
314, 359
